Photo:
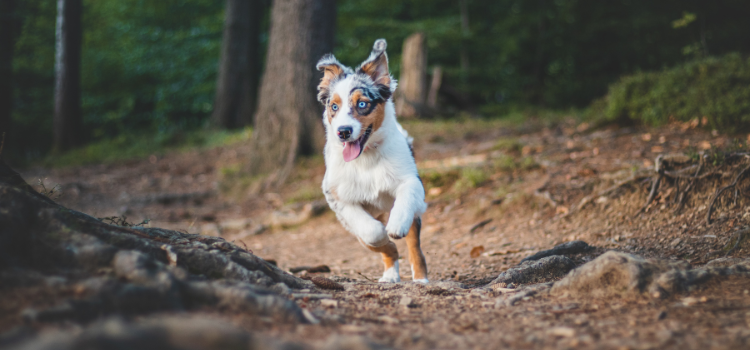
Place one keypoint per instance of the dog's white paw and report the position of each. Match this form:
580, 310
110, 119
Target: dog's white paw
398, 225
391, 274
422, 280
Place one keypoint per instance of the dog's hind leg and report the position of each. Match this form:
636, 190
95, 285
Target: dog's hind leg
416, 258
389, 252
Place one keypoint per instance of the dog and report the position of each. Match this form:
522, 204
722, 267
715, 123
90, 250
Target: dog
371, 180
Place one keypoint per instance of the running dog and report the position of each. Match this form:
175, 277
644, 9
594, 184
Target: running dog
371, 179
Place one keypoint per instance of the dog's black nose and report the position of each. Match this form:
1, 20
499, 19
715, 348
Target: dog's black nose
344, 132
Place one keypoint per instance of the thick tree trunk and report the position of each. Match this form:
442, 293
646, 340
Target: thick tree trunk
412, 82
323, 34
7, 44
239, 70
288, 117
68, 131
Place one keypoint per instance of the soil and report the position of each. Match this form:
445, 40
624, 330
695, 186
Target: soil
527, 198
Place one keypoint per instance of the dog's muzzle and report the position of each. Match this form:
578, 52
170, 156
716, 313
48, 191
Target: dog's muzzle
344, 133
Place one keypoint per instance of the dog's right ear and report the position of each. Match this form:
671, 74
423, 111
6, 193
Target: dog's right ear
332, 70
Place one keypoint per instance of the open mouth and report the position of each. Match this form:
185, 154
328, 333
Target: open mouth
353, 149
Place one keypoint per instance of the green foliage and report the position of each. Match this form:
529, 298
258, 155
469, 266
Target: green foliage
717, 88
137, 145
147, 66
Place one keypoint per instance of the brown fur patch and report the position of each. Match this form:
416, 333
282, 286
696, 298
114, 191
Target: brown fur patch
336, 99
377, 69
376, 116
330, 73
416, 258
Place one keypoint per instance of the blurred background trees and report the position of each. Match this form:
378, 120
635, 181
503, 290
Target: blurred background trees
155, 67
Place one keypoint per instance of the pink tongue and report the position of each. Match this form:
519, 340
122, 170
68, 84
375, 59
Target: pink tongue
351, 150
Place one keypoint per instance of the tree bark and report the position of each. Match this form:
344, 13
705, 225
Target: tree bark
323, 34
239, 69
7, 45
288, 117
437, 80
413, 79
68, 131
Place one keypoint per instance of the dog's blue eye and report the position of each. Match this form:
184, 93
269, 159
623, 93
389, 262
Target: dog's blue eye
362, 104
335, 107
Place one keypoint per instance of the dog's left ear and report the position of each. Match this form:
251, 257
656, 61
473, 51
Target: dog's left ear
376, 66
331, 69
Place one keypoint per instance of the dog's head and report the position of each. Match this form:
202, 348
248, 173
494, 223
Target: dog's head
355, 100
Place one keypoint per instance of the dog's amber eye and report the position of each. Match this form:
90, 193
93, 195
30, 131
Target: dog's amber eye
361, 104
334, 107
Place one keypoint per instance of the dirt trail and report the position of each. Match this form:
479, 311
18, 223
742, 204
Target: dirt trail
496, 195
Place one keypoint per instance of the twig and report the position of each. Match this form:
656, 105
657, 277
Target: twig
721, 190
479, 225
651, 195
367, 278
689, 186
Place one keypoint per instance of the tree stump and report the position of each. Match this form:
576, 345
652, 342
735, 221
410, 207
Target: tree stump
412, 83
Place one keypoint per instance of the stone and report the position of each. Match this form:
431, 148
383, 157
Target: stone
567, 248
530, 272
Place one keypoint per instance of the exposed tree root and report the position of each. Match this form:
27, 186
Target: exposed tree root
718, 193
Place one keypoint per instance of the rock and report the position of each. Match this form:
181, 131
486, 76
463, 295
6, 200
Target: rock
339, 342
406, 301
329, 303
529, 272
155, 333
567, 248
615, 273
612, 273
566, 332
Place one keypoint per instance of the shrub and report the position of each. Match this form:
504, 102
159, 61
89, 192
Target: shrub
717, 88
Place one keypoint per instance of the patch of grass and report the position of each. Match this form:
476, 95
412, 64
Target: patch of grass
438, 178
717, 88
508, 144
471, 178
509, 163
134, 146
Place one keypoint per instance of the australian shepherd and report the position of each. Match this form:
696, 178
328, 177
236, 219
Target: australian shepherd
371, 179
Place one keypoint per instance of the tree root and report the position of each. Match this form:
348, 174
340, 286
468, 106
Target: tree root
155, 269
718, 193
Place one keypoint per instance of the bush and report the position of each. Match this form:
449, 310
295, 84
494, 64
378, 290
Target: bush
717, 88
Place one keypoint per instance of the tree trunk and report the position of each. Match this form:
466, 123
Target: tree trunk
68, 131
288, 117
412, 82
437, 80
7, 45
323, 34
239, 70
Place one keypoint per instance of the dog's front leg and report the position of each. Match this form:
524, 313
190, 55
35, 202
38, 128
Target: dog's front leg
408, 205
371, 234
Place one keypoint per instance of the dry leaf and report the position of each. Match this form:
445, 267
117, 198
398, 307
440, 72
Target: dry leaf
476, 251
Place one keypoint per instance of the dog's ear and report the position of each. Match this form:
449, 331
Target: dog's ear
376, 66
331, 69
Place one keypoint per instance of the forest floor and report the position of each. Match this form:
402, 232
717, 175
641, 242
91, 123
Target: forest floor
497, 193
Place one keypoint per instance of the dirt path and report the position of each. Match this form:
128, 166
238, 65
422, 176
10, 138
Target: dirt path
525, 186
